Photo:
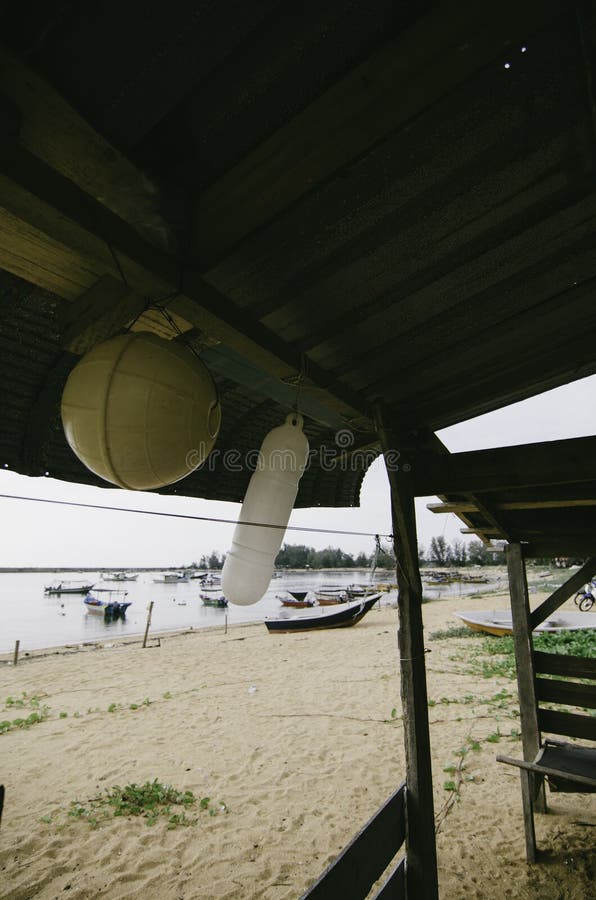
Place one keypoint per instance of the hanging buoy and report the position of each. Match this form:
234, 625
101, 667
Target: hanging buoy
269, 499
140, 411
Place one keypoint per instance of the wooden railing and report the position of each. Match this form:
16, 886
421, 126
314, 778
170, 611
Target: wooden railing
352, 875
567, 693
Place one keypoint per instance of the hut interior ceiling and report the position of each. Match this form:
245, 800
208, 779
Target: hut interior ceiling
390, 203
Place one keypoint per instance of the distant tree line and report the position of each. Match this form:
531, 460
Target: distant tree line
460, 554
440, 552
214, 560
298, 556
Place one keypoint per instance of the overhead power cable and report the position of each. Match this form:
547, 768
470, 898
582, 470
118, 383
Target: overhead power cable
170, 515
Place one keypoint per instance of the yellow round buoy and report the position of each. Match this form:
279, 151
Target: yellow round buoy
140, 411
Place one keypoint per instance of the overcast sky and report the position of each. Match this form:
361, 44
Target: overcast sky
38, 534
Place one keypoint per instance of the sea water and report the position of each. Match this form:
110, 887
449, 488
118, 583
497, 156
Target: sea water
37, 620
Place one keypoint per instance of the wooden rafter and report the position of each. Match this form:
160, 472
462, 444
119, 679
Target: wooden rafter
62, 227
432, 57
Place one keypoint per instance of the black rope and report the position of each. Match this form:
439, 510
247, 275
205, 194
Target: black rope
154, 512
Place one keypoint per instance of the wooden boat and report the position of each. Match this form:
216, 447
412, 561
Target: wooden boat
355, 591
119, 576
206, 578
475, 579
331, 596
68, 587
213, 598
296, 599
498, 622
172, 578
111, 607
349, 614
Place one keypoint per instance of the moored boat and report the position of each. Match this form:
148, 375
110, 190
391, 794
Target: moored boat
172, 578
296, 599
330, 595
69, 587
213, 597
119, 576
112, 607
350, 613
498, 622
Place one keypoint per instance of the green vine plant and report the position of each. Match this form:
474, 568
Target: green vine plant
37, 712
40, 712
150, 801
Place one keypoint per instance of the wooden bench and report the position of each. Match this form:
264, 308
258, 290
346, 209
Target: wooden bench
568, 767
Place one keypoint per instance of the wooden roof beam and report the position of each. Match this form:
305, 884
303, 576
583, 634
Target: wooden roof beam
430, 58
578, 546
458, 507
506, 468
62, 227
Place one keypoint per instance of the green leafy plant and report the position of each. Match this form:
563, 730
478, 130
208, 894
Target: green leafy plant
150, 801
38, 712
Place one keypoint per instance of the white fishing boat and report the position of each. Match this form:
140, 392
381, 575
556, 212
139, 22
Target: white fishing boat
112, 605
119, 576
499, 622
172, 578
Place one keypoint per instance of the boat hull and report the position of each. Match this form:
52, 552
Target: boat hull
348, 615
498, 622
217, 602
110, 610
84, 589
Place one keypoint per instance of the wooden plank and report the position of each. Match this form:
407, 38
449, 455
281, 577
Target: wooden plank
544, 770
62, 179
67, 217
568, 724
432, 57
54, 132
366, 857
547, 504
506, 468
571, 693
395, 886
571, 586
524, 663
420, 835
563, 546
98, 314
562, 664
36, 256
528, 791
489, 531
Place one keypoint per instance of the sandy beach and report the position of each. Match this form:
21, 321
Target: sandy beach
295, 739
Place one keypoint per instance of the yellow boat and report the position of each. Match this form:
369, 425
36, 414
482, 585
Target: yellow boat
498, 622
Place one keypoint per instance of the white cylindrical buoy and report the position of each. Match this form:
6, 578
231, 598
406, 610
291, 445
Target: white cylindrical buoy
140, 411
269, 499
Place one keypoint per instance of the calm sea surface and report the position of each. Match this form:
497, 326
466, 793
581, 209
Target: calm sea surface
37, 620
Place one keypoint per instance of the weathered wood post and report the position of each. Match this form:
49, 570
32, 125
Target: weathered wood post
524, 660
148, 624
421, 853
15, 658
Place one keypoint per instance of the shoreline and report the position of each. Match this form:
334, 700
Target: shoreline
131, 639
297, 740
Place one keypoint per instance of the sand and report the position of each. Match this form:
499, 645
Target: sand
295, 736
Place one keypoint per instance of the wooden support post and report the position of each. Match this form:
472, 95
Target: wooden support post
564, 592
148, 624
524, 660
421, 853
15, 660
